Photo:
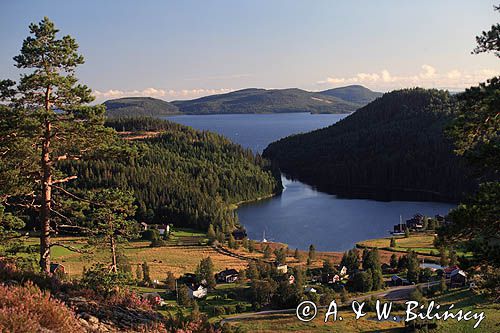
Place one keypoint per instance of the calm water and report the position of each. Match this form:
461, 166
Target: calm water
256, 131
301, 216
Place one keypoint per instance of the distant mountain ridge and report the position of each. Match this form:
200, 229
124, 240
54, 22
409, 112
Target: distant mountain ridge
139, 106
356, 94
245, 101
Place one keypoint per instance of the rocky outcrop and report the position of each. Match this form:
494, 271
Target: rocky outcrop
97, 318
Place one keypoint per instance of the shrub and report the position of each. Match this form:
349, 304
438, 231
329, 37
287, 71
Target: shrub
241, 307
100, 279
151, 234
219, 310
28, 309
158, 243
230, 309
128, 299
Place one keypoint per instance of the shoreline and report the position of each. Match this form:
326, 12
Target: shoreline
236, 205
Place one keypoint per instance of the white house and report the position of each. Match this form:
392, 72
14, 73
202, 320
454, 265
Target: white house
198, 293
164, 229
283, 269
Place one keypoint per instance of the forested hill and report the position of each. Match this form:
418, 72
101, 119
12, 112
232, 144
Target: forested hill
266, 101
183, 176
139, 106
393, 148
338, 100
356, 94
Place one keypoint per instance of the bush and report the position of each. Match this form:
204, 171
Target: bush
158, 243
230, 309
28, 309
241, 307
151, 234
218, 310
99, 278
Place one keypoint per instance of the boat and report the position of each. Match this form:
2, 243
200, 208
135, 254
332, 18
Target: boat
399, 227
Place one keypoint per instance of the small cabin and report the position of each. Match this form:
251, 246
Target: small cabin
458, 278
448, 271
398, 281
227, 276
330, 278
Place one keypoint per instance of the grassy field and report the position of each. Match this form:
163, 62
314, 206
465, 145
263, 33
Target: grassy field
421, 243
182, 254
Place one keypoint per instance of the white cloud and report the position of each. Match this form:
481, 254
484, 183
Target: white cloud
428, 77
454, 74
158, 93
429, 72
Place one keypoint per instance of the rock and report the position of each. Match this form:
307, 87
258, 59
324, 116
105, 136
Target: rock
89, 318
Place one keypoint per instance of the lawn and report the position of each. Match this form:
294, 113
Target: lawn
415, 241
178, 259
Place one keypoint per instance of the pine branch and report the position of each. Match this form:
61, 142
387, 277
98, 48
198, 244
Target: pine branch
68, 157
64, 180
74, 196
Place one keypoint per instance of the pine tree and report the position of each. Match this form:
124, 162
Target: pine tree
453, 258
312, 252
211, 234
111, 219
252, 271
183, 296
296, 255
442, 285
231, 242
413, 267
251, 246
267, 252
138, 273
443, 260
280, 255
245, 243
205, 272
53, 122
394, 261
146, 278
242, 277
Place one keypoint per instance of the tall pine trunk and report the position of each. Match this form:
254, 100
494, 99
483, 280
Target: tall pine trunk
114, 265
45, 209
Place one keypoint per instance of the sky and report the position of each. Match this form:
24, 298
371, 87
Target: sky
186, 49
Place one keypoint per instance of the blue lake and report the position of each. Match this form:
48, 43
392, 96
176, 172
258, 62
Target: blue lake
301, 215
